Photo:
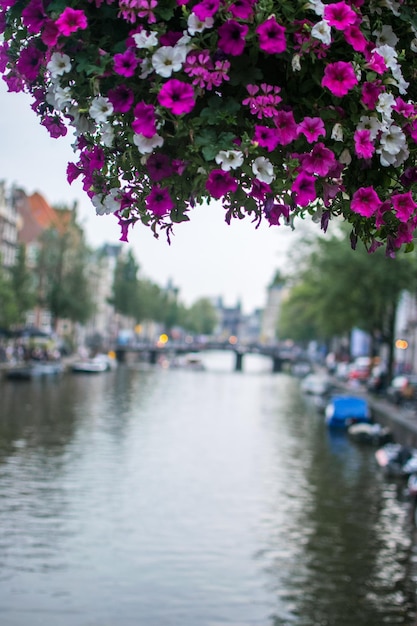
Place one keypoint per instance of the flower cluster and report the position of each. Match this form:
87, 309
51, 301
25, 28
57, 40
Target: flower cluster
277, 109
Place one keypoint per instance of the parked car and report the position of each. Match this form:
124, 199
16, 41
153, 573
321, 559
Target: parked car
360, 369
402, 389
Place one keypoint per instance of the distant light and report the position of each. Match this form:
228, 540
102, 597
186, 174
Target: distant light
401, 344
233, 339
163, 339
138, 329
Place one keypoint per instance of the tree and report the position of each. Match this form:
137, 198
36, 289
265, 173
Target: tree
62, 267
125, 298
9, 311
343, 288
201, 317
22, 281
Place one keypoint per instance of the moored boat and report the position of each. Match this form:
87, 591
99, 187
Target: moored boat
94, 365
343, 411
34, 369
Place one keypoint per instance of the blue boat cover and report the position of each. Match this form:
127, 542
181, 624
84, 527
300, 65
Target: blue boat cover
349, 407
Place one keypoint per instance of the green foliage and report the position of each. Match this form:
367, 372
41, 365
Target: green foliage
9, 309
337, 289
22, 281
201, 317
63, 284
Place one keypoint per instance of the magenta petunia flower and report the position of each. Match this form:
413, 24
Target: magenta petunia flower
55, 127
320, 160
125, 63
241, 9
159, 166
339, 78
339, 15
304, 189
50, 33
365, 201
159, 201
364, 147
266, 137
73, 171
70, 21
206, 8
271, 36
220, 182
371, 92
29, 63
177, 96
376, 63
34, 16
404, 206
355, 38
286, 127
232, 37
312, 128
122, 99
145, 120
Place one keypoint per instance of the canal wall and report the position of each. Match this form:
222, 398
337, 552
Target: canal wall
401, 422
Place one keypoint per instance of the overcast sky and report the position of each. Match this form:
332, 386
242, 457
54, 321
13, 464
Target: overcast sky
206, 257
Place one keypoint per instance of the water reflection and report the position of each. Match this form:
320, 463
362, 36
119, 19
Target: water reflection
214, 498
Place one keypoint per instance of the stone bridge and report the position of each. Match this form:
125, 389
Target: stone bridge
151, 352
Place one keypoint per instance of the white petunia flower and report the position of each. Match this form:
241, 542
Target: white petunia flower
396, 160
263, 170
400, 81
100, 109
371, 123
413, 45
385, 104
81, 123
345, 157
389, 54
317, 6
146, 68
59, 64
323, 32
145, 40
337, 132
107, 134
393, 5
107, 205
393, 140
229, 159
146, 145
296, 63
167, 60
385, 36
58, 97
195, 25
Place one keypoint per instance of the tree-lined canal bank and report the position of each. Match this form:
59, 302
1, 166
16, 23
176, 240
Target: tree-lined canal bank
177, 497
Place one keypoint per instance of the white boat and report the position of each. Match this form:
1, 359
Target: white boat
94, 365
34, 369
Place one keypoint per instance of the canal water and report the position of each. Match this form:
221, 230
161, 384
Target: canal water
170, 497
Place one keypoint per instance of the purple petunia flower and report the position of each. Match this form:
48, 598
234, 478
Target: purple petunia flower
34, 16
29, 63
220, 182
159, 201
125, 63
70, 21
232, 37
271, 36
159, 166
177, 96
121, 98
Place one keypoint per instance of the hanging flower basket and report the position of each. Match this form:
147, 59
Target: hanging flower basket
278, 109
